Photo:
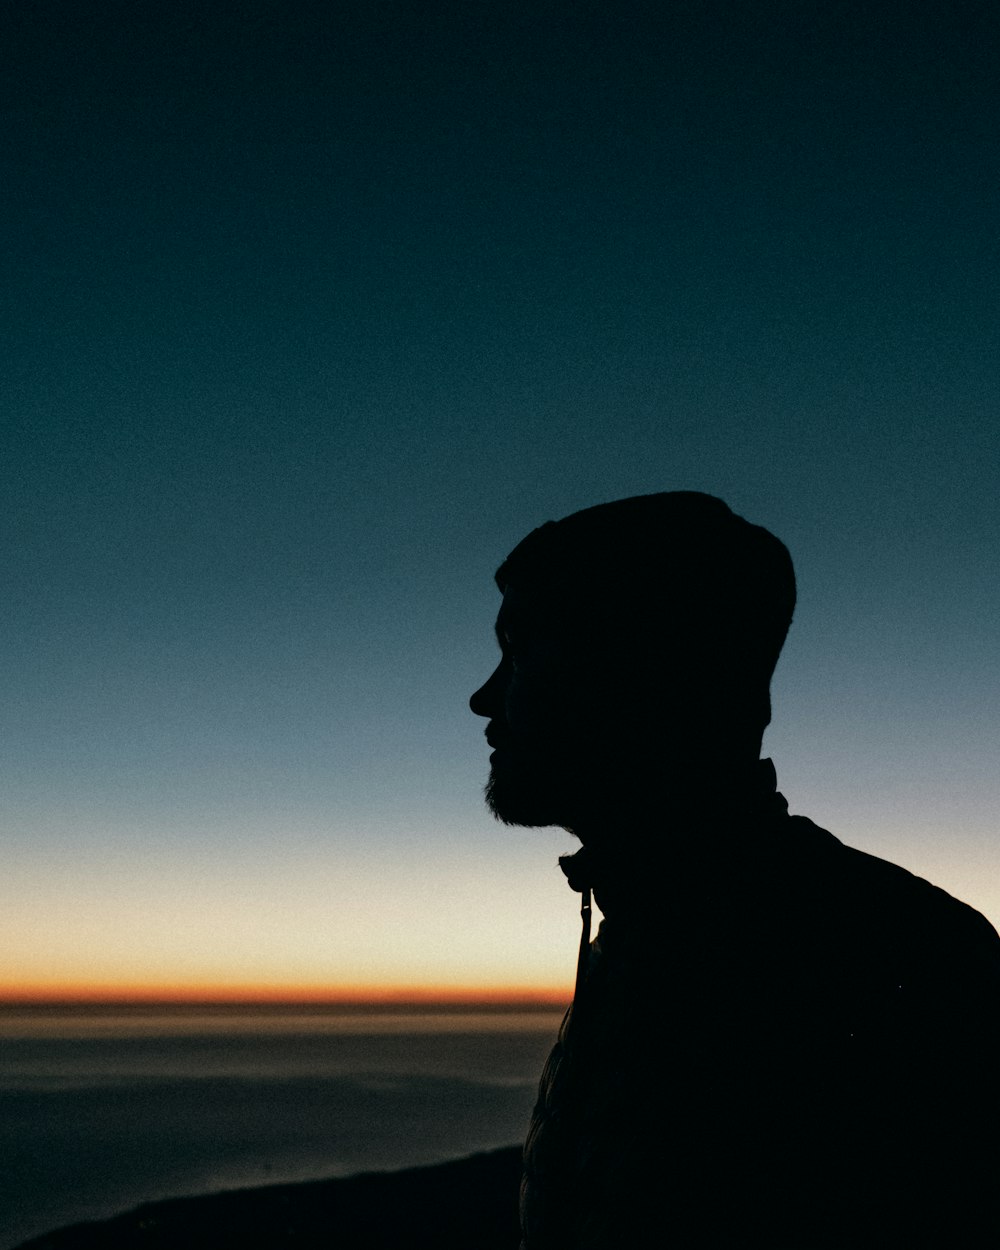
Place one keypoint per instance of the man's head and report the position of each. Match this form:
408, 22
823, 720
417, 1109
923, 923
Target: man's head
638, 639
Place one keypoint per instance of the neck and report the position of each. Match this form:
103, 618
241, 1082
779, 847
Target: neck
684, 850
689, 799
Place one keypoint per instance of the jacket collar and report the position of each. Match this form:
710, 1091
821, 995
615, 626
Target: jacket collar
698, 838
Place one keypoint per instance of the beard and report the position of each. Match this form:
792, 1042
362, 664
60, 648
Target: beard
535, 790
595, 781
513, 803
519, 794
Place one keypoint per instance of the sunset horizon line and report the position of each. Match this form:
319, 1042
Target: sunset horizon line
356, 997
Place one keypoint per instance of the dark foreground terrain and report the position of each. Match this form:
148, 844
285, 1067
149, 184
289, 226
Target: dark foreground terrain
469, 1203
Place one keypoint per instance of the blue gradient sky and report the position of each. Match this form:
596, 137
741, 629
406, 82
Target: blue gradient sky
312, 311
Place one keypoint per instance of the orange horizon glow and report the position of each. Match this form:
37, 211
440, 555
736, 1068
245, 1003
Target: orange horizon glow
285, 996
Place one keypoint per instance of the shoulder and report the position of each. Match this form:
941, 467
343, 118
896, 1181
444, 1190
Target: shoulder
885, 904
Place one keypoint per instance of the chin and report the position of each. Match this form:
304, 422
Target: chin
517, 799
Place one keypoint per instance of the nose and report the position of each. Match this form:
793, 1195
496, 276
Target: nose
484, 700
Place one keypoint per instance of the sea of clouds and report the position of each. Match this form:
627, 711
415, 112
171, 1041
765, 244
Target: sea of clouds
97, 1115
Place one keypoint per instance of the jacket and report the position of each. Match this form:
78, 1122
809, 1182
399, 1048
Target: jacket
775, 1040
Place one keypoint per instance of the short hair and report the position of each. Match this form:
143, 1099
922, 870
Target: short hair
676, 572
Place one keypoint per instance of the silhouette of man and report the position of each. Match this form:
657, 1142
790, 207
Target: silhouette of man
775, 1039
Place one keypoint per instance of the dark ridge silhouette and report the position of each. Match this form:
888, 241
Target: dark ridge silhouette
469, 1204
775, 1040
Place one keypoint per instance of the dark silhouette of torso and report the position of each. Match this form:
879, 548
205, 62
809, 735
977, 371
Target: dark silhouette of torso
778, 1041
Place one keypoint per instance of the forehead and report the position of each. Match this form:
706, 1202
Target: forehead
518, 615
527, 617
511, 615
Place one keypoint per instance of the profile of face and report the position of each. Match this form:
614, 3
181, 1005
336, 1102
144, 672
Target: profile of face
553, 718
527, 701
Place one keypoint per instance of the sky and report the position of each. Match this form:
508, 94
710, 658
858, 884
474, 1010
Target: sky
311, 311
